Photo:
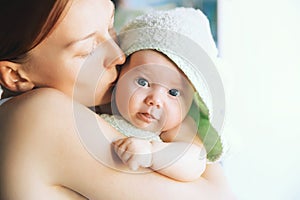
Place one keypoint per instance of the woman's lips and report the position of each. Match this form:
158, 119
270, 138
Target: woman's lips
146, 117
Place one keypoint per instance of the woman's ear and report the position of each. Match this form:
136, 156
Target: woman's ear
12, 77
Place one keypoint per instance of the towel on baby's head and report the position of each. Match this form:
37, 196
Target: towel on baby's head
183, 35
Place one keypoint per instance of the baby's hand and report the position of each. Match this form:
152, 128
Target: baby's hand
134, 152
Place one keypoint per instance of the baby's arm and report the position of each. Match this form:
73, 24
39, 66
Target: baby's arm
185, 150
181, 156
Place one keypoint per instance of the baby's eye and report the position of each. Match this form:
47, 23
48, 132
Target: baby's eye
143, 82
174, 92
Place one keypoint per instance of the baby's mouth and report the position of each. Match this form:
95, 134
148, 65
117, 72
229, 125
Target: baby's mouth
147, 117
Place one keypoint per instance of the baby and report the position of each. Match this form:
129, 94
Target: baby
157, 96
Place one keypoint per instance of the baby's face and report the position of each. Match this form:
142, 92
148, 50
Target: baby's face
152, 93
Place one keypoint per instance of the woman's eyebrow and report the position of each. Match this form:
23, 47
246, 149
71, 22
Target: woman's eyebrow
80, 39
89, 35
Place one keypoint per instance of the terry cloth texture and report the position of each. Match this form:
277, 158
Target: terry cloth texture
128, 129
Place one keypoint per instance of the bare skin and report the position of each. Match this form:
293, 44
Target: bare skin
43, 161
41, 153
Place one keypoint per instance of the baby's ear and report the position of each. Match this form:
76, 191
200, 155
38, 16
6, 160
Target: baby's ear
12, 78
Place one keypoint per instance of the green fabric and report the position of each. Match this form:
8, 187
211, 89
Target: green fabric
209, 136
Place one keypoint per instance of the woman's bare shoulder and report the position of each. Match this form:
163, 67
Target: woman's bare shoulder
34, 129
34, 97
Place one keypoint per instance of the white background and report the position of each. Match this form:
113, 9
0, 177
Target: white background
259, 43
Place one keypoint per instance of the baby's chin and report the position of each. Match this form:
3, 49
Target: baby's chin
152, 127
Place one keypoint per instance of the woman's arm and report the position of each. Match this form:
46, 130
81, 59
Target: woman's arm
42, 156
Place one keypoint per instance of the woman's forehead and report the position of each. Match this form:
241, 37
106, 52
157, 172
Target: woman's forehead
83, 18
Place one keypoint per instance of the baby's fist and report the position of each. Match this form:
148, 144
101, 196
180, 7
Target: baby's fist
134, 152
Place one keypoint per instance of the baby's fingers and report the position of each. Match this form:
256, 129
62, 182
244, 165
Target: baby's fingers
133, 165
125, 156
118, 146
119, 142
121, 149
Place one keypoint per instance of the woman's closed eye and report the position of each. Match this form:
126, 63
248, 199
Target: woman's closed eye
88, 49
86, 54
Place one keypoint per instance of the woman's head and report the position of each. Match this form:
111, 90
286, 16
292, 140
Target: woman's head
54, 47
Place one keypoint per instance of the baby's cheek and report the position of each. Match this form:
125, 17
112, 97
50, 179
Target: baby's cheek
135, 102
174, 114
185, 106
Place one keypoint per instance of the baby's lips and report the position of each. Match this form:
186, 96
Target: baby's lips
149, 115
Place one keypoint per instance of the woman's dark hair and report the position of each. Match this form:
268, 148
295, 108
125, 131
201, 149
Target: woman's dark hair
26, 23
115, 2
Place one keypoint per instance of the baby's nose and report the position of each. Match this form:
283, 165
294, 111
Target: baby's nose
156, 97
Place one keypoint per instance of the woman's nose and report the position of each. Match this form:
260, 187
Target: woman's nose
115, 55
119, 60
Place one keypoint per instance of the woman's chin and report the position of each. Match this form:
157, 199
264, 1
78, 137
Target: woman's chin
105, 99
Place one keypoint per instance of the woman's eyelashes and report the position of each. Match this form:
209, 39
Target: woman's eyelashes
86, 54
90, 49
145, 83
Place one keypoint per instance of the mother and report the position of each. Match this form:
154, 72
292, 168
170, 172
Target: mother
43, 45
